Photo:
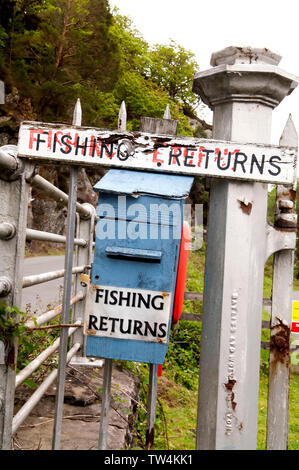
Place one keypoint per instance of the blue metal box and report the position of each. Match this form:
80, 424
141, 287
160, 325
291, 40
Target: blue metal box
133, 278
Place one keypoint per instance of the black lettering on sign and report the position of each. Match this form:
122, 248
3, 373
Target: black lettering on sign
56, 141
150, 329
174, 157
105, 148
92, 322
125, 298
121, 328
161, 304
39, 140
259, 165
122, 152
278, 169
127, 326
103, 324
240, 159
129, 299
225, 166
142, 300
113, 295
137, 327
190, 157
162, 328
113, 322
65, 140
99, 295
207, 152
81, 146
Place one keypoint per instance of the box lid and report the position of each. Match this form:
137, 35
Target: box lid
136, 183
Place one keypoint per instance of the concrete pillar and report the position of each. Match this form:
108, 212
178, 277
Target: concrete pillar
242, 89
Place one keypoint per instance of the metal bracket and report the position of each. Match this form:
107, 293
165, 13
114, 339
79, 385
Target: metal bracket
278, 240
11, 174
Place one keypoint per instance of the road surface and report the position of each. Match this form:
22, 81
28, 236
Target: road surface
36, 299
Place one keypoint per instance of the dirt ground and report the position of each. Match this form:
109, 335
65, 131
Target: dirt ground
82, 411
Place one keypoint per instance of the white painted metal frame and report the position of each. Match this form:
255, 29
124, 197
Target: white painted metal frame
11, 293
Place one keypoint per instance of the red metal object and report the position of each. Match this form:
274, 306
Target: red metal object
181, 277
182, 272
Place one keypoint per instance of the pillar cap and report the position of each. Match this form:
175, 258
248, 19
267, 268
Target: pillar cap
244, 75
244, 55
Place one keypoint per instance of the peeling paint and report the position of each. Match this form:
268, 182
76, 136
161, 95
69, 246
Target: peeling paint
246, 207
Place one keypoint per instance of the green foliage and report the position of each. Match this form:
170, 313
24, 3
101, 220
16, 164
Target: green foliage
11, 323
271, 205
182, 359
56, 51
172, 67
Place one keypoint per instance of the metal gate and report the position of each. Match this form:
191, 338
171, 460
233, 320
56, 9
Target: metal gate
242, 89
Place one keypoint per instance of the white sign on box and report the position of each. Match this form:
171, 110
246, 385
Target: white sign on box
127, 313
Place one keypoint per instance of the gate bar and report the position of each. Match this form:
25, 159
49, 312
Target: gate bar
50, 237
151, 405
52, 191
22, 414
44, 277
37, 362
71, 220
281, 318
47, 316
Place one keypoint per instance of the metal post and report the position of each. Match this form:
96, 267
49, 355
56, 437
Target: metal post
242, 93
105, 409
151, 406
85, 230
13, 219
281, 317
71, 219
2, 92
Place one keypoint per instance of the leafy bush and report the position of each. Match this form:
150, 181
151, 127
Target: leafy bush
182, 359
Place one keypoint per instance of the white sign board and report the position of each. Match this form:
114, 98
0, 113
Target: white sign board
127, 313
168, 154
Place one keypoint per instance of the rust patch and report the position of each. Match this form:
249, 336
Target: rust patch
246, 208
280, 342
285, 224
11, 357
287, 193
229, 387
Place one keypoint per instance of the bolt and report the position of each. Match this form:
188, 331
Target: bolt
7, 231
5, 286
